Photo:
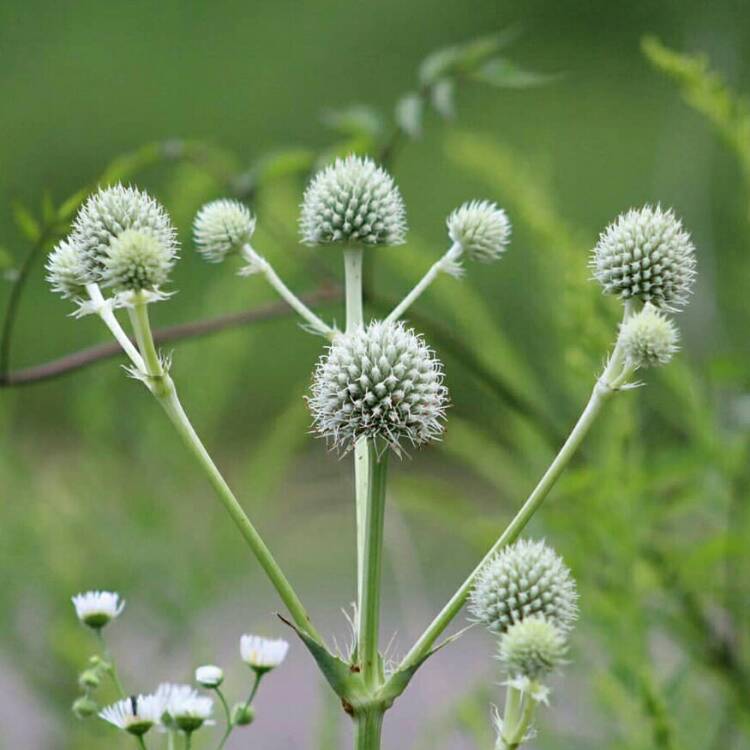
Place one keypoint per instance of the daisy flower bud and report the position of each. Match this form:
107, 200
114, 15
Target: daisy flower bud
262, 654
84, 707
135, 715
209, 676
381, 382
222, 227
97, 608
136, 260
66, 270
532, 648
111, 211
649, 338
353, 202
523, 580
481, 229
242, 715
182, 707
89, 679
647, 255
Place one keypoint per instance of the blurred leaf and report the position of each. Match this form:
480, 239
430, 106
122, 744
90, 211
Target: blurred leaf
49, 213
409, 110
463, 58
443, 95
70, 205
6, 259
505, 74
123, 167
286, 163
26, 222
356, 120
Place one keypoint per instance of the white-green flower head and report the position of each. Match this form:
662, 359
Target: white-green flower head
111, 211
646, 254
525, 579
381, 382
222, 227
649, 338
532, 648
66, 270
182, 707
263, 654
136, 714
136, 260
481, 229
97, 608
353, 202
209, 676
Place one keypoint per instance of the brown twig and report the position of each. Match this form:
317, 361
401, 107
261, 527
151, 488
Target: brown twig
181, 331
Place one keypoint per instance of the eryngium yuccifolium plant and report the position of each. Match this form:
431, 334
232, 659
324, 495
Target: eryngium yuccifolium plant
646, 254
481, 229
649, 338
111, 211
66, 270
353, 202
523, 580
222, 227
136, 260
381, 382
532, 648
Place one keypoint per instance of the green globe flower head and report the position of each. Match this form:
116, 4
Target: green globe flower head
525, 579
85, 707
481, 229
136, 260
646, 254
353, 202
111, 211
382, 382
649, 338
66, 270
221, 228
532, 648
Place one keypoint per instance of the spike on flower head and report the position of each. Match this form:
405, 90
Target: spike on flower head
66, 270
136, 260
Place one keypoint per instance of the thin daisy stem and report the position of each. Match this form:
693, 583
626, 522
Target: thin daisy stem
260, 264
248, 702
614, 376
447, 264
163, 389
170, 740
111, 666
188, 740
227, 715
369, 616
141, 743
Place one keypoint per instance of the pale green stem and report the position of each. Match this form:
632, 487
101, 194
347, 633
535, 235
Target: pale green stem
227, 715
170, 740
369, 616
257, 263
163, 389
517, 719
613, 376
112, 667
230, 725
108, 317
188, 740
367, 728
141, 743
447, 264
353, 279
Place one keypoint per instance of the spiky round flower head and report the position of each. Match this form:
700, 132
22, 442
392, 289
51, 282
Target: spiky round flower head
136, 714
381, 382
263, 654
523, 580
646, 254
66, 270
97, 608
649, 338
532, 648
111, 211
354, 202
481, 229
136, 260
222, 227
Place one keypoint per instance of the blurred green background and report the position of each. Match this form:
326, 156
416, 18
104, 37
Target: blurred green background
96, 491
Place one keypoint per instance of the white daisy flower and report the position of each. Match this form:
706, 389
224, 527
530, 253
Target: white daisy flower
262, 654
97, 608
183, 708
135, 715
209, 676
